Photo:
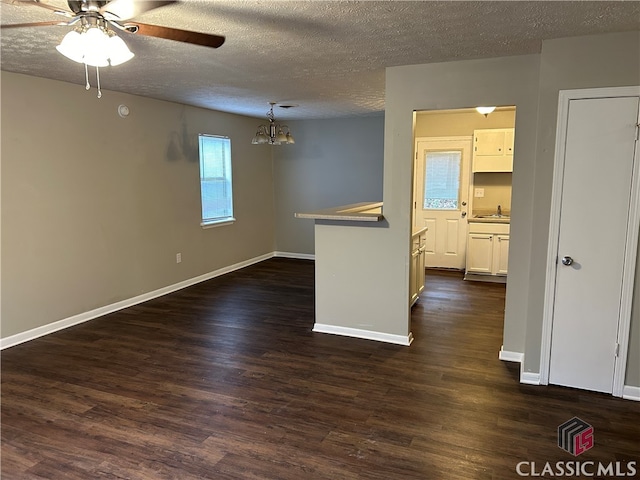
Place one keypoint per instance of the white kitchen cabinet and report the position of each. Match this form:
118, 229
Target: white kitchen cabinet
480, 253
418, 258
488, 249
509, 137
501, 254
493, 150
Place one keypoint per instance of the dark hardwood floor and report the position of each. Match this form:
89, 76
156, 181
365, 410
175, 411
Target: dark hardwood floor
225, 380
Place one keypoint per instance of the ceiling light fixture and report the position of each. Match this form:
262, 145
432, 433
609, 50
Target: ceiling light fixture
94, 45
485, 110
274, 133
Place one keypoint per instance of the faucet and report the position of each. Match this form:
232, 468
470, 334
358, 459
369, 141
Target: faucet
499, 210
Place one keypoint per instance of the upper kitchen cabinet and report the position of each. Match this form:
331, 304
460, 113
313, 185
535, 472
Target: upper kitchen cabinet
493, 150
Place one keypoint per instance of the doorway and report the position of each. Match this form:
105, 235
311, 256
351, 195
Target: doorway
480, 192
592, 263
441, 200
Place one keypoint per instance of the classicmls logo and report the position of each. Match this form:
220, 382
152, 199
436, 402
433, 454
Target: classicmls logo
575, 436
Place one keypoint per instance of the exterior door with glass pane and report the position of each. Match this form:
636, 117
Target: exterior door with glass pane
441, 195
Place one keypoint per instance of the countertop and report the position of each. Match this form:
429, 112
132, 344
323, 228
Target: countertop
490, 219
355, 212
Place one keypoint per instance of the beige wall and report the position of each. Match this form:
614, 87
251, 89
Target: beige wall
95, 207
497, 186
460, 123
497, 191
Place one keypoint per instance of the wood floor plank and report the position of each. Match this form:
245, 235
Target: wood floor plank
226, 380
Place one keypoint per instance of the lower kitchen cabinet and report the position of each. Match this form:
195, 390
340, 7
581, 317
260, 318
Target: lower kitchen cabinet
500, 254
418, 259
480, 253
488, 249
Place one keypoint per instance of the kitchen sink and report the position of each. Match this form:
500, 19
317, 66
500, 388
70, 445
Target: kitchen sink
495, 215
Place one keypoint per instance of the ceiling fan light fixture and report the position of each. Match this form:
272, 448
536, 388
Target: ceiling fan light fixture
71, 46
118, 51
96, 53
95, 46
95, 38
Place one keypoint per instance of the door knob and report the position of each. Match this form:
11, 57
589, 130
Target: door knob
464, 214
567, 260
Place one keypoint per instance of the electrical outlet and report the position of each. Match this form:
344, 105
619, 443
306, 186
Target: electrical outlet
479, 193
178, 257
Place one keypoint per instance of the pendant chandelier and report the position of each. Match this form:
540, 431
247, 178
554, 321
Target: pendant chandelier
273, 133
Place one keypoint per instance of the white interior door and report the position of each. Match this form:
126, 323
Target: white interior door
441, 195
596, 191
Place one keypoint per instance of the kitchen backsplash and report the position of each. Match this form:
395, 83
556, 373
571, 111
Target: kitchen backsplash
497, 191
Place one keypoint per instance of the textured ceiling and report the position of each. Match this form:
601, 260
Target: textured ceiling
328, 57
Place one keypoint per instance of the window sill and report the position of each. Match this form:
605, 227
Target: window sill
218, 223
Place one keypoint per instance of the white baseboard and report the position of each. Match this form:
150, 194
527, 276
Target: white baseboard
631, 393
114, 307
365, 334
533, 378
299, 256
628, 393
508, 356
530, 378
481, 277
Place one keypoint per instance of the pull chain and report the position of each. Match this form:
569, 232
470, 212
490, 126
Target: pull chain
86, 76
98, 79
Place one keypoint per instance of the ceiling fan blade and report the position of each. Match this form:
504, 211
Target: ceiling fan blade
176, 34
37, 3
126, 9
34, 24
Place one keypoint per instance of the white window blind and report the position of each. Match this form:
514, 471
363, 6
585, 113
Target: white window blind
442, 180
215, 179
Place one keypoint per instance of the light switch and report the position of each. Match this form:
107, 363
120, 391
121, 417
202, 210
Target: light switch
479, 193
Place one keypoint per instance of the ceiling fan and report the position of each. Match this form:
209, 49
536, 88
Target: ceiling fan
94, 40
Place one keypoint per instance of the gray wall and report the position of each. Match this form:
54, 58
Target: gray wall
579, 62
333, 162
633, 360
531, 83
452, 85
95, 207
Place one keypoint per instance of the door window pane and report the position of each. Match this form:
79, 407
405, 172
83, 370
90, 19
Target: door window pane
442, 180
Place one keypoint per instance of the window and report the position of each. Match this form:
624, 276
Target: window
215, 180
442, 180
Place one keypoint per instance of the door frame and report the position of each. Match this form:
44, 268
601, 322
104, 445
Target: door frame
633, 224
453, 138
